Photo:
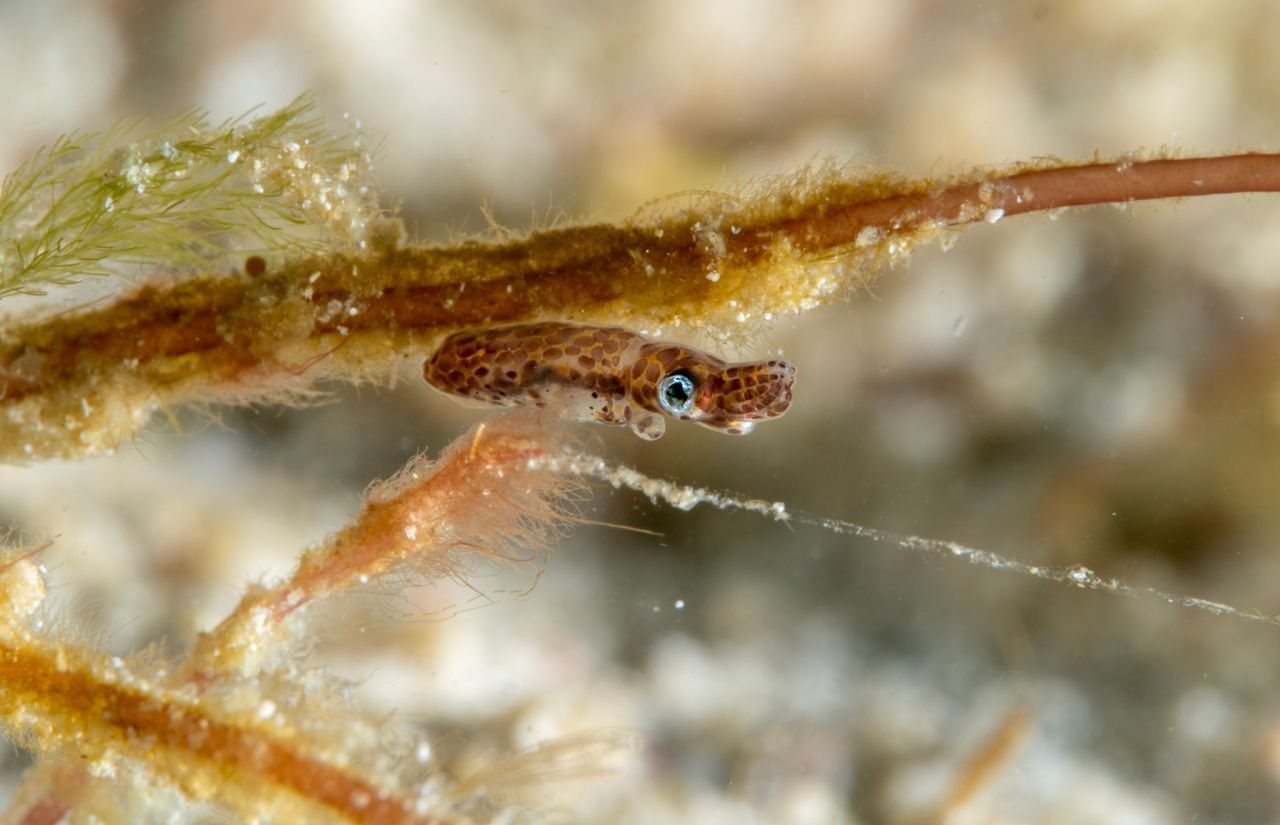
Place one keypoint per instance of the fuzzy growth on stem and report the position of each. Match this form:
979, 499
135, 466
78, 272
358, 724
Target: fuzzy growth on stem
177, 195
485, 497
238, 722
80, 383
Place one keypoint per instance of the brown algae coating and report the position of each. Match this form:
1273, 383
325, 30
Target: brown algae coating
611, 375
81, 383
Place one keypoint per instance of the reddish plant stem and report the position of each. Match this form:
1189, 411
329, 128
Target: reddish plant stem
1044, 189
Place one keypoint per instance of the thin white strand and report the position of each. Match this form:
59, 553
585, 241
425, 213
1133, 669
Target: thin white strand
684, 497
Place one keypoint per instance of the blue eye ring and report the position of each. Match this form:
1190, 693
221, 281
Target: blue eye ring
675, 393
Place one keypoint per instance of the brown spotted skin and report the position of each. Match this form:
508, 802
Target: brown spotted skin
606, 374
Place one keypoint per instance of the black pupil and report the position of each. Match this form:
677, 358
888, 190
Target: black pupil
678, 389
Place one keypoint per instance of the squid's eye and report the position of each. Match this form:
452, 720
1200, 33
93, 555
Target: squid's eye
675, 393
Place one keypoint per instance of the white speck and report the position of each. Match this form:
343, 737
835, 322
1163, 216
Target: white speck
1080, 574
411, 532
993, 215
657, 609
233, 156
957, 328
292, 146
735, 229
364, 579
867, 236
713, 276
267, 709
116, 661
352, 311
109, 203
679, 604
257, 189
423, 752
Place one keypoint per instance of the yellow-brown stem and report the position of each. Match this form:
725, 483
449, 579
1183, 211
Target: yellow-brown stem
64, 706
80, 383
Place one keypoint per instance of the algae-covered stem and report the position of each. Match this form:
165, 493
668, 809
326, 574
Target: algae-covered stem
81, 383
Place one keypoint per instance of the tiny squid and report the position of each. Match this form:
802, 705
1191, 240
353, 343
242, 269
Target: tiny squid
610, 375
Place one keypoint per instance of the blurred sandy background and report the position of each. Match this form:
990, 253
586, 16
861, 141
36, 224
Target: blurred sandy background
1103, 389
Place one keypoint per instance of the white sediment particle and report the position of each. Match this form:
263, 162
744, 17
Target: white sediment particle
260, 618
411, 532
22, 588
713, 275
867, 236
267, 709
993, 215
233, 156
679, 605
